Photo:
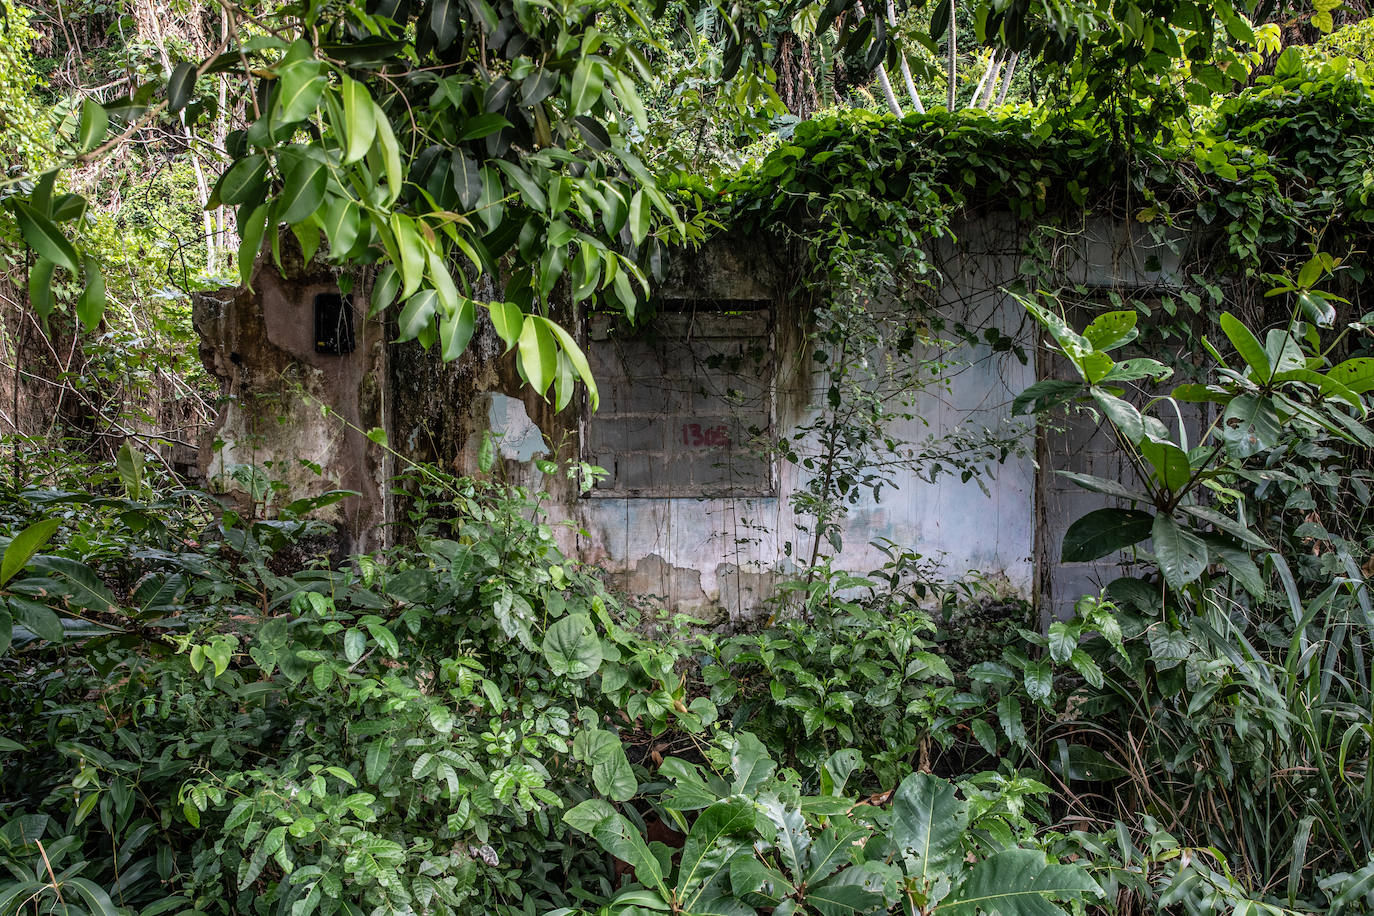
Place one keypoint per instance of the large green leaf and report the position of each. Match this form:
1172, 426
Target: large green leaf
793, 840
837, 769
1103, 532
1170, 463
24, 545
1112, 329
611, 772
300, 90
1092, 364
577, 360
1326, 384
342, 223
80, 585
1182, 555
1284, 350
160, 594
718, 906
1122, 414
390, 153
180, 85
571, 647
1104, 485
1238, 563
750, 876
1356, 374
360, 119
1045, 394
1009, 717
1130, 370
445, 19
252, 227
1062, 641
384, 289
1227, 524
467, 180
1249, 426
40, 287
43, 237
40, 619
586, 85
129, 465
508, 321
455, 330
483, 125
1019, 882
90, 305
1038, 678
98, 902
1080, 762
418, 314
831, 849
929, 820
1354, 891
1317, 308
93, 125
613, 833
843, 895
244, 182
530, 191
750, 763
689, 792
719, 832
410, 253
302, 192
1248, 346
538, 353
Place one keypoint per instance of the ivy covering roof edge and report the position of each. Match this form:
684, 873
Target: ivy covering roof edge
1284, 165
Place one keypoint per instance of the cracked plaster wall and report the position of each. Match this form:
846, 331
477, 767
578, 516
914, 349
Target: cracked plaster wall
259, 343
718, 558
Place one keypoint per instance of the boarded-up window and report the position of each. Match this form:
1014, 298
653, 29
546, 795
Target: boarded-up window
686, 402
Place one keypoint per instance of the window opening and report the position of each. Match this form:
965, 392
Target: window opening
333, 324
686, 401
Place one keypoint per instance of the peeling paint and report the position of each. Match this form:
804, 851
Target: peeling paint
517, 436
716, 553
655, 579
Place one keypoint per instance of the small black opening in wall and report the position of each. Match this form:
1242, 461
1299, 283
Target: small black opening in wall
333, 323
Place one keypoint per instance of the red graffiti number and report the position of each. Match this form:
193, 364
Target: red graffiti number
694, 435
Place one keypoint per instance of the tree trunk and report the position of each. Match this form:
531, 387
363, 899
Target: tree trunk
953, 68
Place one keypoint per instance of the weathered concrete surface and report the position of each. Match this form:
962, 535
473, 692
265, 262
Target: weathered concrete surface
712, 555
298, 416
677, 525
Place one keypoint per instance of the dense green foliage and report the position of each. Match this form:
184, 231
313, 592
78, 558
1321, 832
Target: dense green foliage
252, 732
210, 715
1279, 167
436, 728
449, 142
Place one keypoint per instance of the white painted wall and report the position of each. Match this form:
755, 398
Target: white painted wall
699, 554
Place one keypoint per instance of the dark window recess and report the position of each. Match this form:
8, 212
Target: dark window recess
333, 324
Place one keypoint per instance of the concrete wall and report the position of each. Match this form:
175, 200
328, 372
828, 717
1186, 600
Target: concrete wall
721, 554
294, 419
692, 517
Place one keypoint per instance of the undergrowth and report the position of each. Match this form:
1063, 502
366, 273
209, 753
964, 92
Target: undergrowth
202, 719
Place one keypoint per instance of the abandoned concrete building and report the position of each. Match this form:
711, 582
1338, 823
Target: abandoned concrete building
693, 512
